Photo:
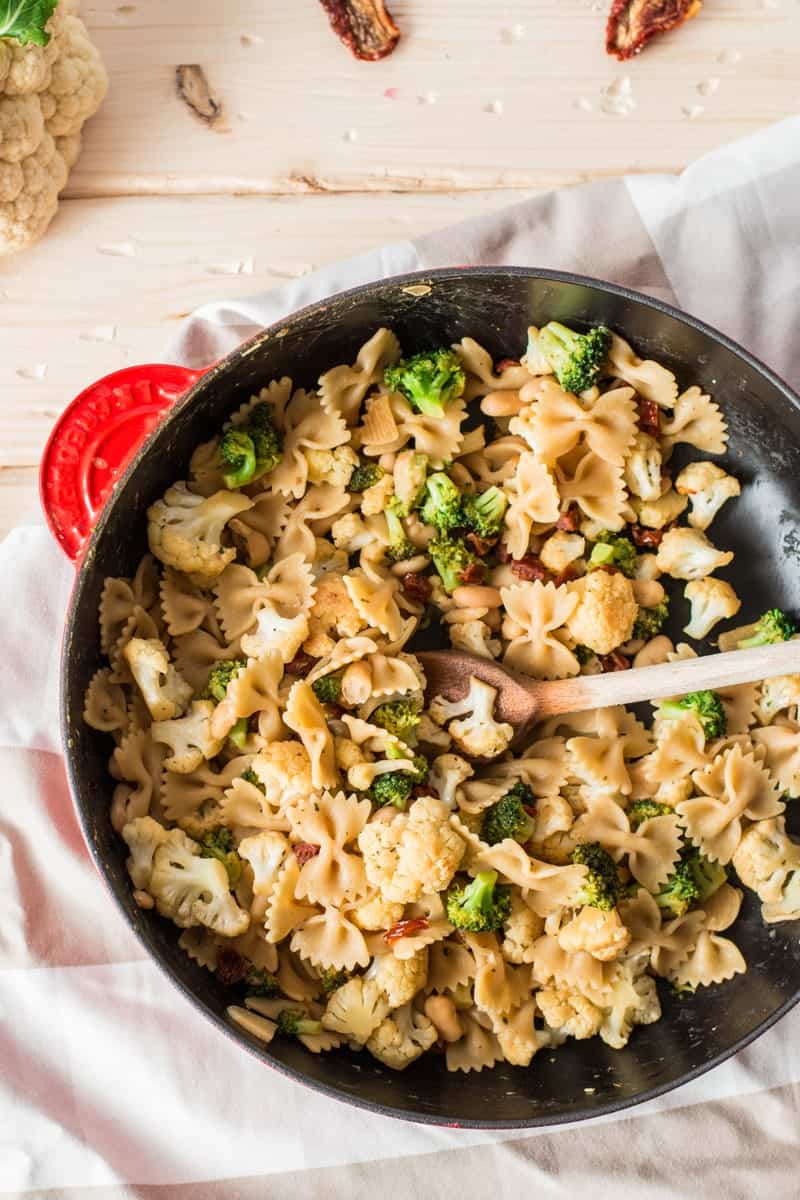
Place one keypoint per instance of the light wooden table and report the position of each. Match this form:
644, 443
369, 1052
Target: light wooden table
317, 157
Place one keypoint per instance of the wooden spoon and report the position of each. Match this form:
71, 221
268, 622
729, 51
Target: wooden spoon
522, 701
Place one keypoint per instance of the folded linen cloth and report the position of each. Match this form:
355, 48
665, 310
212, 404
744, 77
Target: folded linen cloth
111, 1086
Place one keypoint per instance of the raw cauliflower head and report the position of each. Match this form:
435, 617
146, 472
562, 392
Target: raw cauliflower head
46, 95
165, 692
606, 611
414, 854
185, 531
712, 601
470, 722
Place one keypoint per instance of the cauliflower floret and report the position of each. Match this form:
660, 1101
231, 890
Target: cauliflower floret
414, 854
78, 81
356, 1009
634, 1001
143, 836
569, 1012
400, 978
331, 466
478, 734
166, 693
601, 934
643, 467
712, 600
447, 773
265, 853
375, 499
655, 514
561, 549
517, 1034
377, 913
185, 531
520, 931
352, 532
274, 632
284, 769
402, 1038
787, 906
332, 612
410, 473
606, 611
688, 554
189, 738
475, 637
192, 890
709, 488
777, 694
765, 857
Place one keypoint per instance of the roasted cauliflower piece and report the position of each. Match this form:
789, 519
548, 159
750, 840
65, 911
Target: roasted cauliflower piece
597, 932
712, 601
402, 1037
185, 531
166, 693
606, 611
189, 738
470, 722
708, 487
414, 854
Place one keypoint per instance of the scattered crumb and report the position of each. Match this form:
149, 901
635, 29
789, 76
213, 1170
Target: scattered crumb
125, 10
692, 111
350, 135
707, 87
100, 333
495, 107
729, 58
251, 39
36, 372
242, 266
515, 34
118, 249
428, 98
617, 98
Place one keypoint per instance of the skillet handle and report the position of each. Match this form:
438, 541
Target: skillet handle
93, 441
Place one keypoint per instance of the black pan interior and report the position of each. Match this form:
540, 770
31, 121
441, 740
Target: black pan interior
495, 307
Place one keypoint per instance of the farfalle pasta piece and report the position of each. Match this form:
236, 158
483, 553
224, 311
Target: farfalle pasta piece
117, 603
478, 1048
496, 464
184, 795
244, 806
733, 786
481, 374
781, 747
587, 975
184, 606
196, 654
258, 528
104, 706
667, 944
496, 987
713, 960
283, 912
538, 610
438, 437
344, 388
450, 966
375, 603
305, 715
557, 421
680, 749
601, 761
534, 503
696, 421
137, 763
320, 505
332, 822
306, 423
330, 939
546, 887
253, 689
651, 380
652, 851
596, 487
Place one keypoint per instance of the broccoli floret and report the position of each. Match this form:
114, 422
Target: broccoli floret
452, 558
773, 626
364, 476
327, 689
510, 817
219, 677
706, 706
400, 717
294, 1022
576, 358
249, 451
400, 547
614, 550
601, 888
250, 776
330, 980
429, 381
442, 504
694, 879
650, 621
395, 787
643, 810
238, 734
218, 843
480, 905
260, 983
484, 513
583, 654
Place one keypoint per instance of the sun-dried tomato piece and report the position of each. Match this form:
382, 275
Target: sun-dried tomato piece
504, 364
231, 967
648, 418
303, 851
301, 664
530, 568
365, 26
504, 554
567, 575
633, 23
474, 573
646, 539
417, 587
480, 545
406, 928
613, 662
569, 521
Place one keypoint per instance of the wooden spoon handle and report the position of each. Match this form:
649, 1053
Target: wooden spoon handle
711, 671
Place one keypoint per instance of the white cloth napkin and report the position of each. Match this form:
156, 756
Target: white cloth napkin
111, 1085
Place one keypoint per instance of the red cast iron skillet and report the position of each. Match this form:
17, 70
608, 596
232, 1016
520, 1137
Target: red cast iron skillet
99, 433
